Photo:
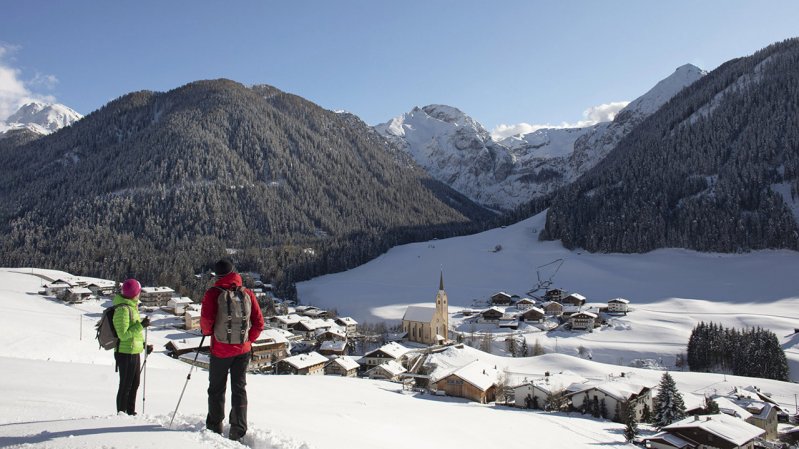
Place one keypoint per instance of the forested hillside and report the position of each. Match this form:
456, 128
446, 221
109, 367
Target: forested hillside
159, 185
715, 169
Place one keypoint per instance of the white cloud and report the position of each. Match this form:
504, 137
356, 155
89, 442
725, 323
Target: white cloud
591, 116
14, 90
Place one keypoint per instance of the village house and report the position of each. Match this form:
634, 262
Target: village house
585, 396
500, 299
177, 305
342, 366
525, 303
554, 294
428, 325
492, 315
102, 288
574, 299
706, 432
388, 352
77, 295
583, 321
618, 305
475, 381
333, 347
58, 288
155, 296
270, 347
177, 347
533, 314
350, 325
285, 322
310, 364
307, 327
388, 371
537, 393
751, 406
332, 333
553, 308
191, 319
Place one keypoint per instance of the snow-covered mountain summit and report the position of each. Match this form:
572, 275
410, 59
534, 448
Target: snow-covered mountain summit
459, 151
42, 118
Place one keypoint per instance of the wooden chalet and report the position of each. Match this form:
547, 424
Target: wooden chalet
58, 288
191, 319
342, 366
533, 314
307, 327
102, 289
178, 347
583, 321
709, 431
475, 381
270, 347
388, 371
500, 299
554, 294
552, 308
310, 364
537, 393
333, 347
389, 352
285, 322
178, 305
155, 296
350, 325
332, 333
492, 315
618, 305
77, 295
574, 299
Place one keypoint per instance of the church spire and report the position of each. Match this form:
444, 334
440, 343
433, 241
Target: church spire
441, 281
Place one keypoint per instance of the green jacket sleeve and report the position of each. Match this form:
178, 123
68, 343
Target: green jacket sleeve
126, 331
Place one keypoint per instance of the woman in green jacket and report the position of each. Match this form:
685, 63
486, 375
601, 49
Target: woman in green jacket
130, 330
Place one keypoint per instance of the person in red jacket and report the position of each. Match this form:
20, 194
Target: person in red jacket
229, 355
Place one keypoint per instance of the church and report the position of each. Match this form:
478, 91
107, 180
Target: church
428, 325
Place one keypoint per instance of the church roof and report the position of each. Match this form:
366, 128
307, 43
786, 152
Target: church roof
423, 314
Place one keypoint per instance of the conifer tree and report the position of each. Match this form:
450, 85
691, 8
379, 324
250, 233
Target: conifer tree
630, 422
669, 406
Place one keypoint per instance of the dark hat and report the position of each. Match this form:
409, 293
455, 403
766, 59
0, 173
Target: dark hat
223, 267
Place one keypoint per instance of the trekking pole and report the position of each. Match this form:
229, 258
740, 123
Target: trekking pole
202, 340
144, 378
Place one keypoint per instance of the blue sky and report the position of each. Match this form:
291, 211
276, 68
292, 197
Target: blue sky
502, 62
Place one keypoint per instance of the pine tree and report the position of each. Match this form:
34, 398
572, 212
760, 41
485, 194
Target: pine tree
669, 406
711, 407
646, 414
630, 422
538, 349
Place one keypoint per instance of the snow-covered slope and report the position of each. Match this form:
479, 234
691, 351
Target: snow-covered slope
671, 290
42, 118
458, 151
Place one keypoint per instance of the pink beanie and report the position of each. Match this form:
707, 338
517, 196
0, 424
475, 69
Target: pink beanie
131, 288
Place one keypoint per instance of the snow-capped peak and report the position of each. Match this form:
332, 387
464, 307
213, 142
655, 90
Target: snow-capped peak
43, 118
663, 91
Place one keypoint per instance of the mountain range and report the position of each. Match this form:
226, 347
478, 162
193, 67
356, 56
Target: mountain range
459, 151
40, 118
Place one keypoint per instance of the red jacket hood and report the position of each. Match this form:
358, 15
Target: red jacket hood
229, 280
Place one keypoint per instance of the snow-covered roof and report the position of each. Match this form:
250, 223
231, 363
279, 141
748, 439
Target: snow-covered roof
80, 290
303, 361
526, 301
347, 320
192, 313
422, 314
287, 319
673, 440
585, 314
577, 296
534, 309
479, 374
278, 335
314, 324
619, 300
495, 309
391, 367
345, 362
393, 349
333, 345
157, 290
734, 430
181, 300
332, 330
188, 343
617, 389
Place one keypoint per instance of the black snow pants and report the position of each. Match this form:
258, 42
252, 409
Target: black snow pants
129, 367
217, 377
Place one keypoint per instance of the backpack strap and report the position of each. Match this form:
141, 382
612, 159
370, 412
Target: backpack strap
243, 296
223, 291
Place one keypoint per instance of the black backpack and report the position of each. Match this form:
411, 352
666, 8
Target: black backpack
107, 336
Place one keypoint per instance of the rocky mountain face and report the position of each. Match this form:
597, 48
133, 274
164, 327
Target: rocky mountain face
714, 169
159, 185
41, 118
458, 151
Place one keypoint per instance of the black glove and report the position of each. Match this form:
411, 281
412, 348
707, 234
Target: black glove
145, 322
149, 349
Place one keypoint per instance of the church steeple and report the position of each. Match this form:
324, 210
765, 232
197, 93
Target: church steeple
441, 281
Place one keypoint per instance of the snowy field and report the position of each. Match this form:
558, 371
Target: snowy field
670, 290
